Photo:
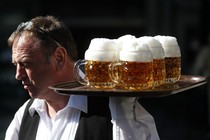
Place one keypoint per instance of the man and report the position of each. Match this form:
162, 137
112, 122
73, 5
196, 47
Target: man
44, 52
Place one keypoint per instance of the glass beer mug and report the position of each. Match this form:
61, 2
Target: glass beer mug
98, 56
172, 58
158, 55
135, 67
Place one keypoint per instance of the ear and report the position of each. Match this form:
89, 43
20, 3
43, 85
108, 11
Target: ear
60, 57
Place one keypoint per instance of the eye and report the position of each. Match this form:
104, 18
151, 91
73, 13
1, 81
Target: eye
26, 65
15, 64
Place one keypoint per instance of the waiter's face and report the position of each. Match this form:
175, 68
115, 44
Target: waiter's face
32, 66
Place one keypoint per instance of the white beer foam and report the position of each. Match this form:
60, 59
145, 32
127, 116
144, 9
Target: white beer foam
135, 51
170, 45
123, 39
154, 45
126, 37
102, 49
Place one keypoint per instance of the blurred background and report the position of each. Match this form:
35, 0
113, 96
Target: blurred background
184, 116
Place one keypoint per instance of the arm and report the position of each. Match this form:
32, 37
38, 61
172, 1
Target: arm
131, 121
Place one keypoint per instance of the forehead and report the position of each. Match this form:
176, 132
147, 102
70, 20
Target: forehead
25, 45
25, 42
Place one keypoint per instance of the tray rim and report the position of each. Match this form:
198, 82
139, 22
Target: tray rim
199, 81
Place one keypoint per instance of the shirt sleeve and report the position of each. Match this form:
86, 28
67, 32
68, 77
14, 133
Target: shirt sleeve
14, 127
131, 121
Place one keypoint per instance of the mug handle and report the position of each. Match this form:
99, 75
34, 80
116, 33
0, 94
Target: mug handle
78, 73
114, 72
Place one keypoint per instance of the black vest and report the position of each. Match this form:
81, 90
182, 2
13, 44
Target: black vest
96, 125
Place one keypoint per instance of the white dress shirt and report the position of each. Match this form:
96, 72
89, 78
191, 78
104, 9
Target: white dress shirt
130, 120
65, 123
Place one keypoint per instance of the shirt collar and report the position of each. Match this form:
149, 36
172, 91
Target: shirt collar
79, 102
75, 101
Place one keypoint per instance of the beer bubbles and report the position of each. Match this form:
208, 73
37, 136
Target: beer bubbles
130, 63
172, 57
134, 65
158, 59
98, 56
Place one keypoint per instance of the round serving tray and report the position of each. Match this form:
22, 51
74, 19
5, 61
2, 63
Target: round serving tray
186, 82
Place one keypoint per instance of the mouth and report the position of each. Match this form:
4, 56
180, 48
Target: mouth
26, 85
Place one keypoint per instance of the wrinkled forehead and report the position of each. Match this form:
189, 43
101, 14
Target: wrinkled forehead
24, 47
24, 41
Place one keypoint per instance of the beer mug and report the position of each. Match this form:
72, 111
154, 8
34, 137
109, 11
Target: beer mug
172, 57
158, 55
135, 67
98, 56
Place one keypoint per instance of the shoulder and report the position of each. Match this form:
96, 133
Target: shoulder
19, 114
13, 129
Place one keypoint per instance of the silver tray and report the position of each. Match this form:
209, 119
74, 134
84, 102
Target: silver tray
186, 82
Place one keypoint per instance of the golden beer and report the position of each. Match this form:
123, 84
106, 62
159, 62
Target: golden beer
159, 73
173, 69
96, 73
134, 75
100, 53
172, 58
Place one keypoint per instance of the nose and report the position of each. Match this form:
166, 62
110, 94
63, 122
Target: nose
20, 72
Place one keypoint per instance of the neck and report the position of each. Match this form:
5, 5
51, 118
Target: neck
55, 104
54, 101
